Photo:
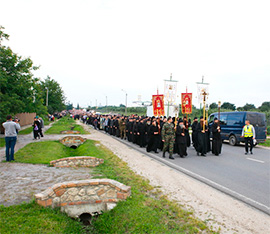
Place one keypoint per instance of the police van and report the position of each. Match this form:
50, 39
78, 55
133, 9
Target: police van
232, 123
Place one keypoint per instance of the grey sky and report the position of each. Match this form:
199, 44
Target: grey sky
96, 48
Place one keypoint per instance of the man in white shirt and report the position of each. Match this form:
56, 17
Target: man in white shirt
11, 131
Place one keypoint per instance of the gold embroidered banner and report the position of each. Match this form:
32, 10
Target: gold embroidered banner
186, 103
158, 105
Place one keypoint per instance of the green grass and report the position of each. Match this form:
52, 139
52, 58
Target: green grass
2, 142
42, 152
146, 211
46, 151
26, 131
32, 218
65, 124
266, 143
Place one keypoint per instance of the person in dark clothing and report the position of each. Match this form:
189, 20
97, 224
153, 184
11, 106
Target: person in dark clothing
217, 142
36, 126
131, 121
135, 131
111, 126
141, 133
153, 138
201, 138
187, 125
207, 138
160, 123
116, 127
181, 142
195, 133
147, 129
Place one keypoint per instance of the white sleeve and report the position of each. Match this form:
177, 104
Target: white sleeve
243, 131
253, 130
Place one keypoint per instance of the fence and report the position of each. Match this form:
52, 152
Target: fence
25, 119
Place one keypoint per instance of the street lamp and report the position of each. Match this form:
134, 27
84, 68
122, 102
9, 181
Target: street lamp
126, 102
106, 104
47, 96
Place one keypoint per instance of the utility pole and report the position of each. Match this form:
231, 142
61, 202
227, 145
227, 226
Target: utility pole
106, 104
47, 96
126, 102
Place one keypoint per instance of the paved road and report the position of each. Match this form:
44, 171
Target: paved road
245, 177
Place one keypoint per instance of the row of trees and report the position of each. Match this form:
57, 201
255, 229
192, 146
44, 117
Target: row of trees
20, 91
248, 107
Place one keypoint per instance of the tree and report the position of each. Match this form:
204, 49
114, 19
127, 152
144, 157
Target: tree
56, 98
69, 106
265, 107
228, 106
19, 91
213, 105
248, 107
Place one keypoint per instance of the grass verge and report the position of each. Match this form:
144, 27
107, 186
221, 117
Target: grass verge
26, 131
146, 211
2, 142
266, 143
32, 218
65, 124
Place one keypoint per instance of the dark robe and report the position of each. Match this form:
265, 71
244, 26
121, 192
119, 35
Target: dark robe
208, 143
147, 129
152, 139
181, 141
141, 134
195, 135
187, 125
135, 132
217, 142
202, 144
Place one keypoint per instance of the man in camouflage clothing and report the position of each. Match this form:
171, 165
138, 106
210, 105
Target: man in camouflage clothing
122, 127
168, 137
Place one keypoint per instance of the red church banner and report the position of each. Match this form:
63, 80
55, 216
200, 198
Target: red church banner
158, 105
186, 103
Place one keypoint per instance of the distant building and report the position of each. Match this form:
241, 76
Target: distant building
140, 103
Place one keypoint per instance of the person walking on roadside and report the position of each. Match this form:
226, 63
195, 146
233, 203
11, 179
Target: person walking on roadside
41, 126
36, 127
195, 133
152, 138
217, 141
202, 143
249, 135
181, 139
168, 137
11, 129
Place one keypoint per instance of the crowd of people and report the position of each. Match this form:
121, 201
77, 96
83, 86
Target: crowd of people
161, 133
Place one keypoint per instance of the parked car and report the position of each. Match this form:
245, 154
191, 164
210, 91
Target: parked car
232, 123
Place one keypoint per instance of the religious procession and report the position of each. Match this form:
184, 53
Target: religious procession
163, 129
166, 134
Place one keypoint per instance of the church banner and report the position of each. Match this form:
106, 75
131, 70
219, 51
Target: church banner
158, 105
186, 103
170, 91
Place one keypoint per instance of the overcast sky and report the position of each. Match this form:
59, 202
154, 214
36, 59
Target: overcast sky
93, 49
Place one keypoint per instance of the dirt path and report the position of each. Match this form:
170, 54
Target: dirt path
20, 181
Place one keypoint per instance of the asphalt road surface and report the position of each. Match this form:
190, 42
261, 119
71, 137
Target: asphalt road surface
244, 177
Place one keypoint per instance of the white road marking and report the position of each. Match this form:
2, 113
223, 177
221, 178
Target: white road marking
224, 189
255, 160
